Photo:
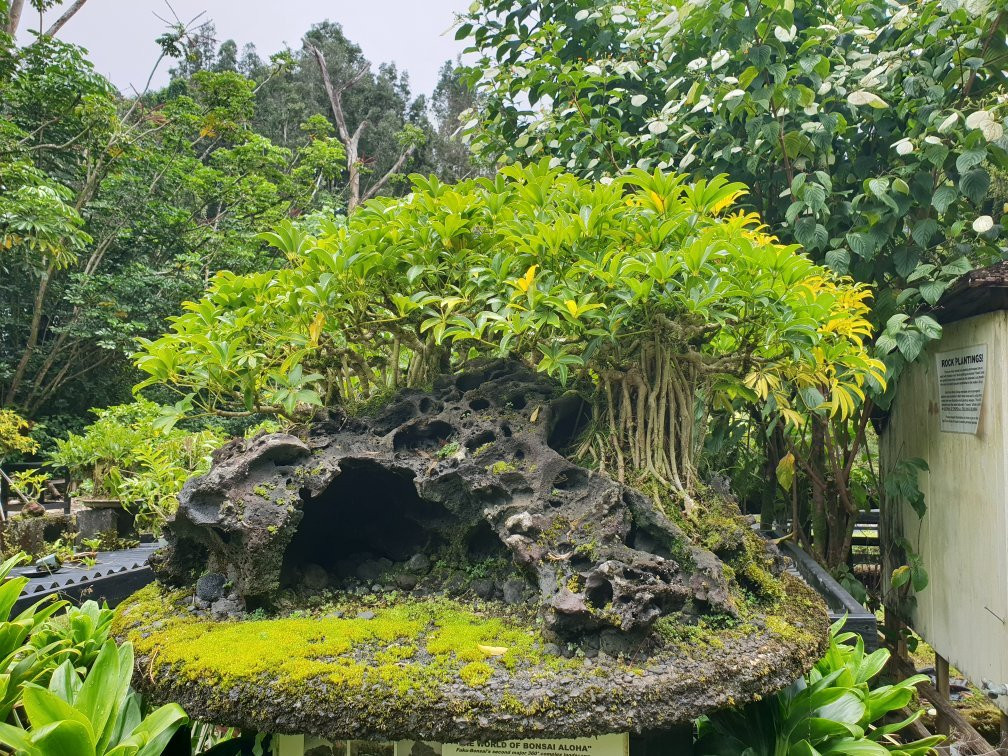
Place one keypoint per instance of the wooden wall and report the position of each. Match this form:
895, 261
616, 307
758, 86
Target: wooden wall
963, 539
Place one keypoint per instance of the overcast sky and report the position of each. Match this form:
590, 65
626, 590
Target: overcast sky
414, 34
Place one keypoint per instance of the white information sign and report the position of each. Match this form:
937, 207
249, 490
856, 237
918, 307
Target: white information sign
961, 375
604, 745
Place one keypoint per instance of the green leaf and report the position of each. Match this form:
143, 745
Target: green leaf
99, 695
931, 291
838, 260
44, 707
909, 343
66, 737
923, 230
974, 184
969, 158
928, 326
943, 198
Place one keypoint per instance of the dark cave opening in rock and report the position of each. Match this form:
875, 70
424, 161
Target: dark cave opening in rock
569, 417
368, 512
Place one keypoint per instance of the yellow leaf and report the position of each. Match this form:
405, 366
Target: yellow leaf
572, 307
535, 414
785, 471
525, 281
315, 329
658, 201
492, 650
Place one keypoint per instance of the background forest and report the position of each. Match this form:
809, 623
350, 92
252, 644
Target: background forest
116, 208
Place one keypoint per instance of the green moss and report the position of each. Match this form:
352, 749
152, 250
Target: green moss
677, 633
345, 649
500, 467
449, 450
372, 406
476, 673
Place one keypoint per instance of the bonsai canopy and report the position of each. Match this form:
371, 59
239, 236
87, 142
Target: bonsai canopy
439, 571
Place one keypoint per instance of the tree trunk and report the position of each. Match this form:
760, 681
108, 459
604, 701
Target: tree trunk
14, 16
645, 414
33, 335
817, 482
60, 22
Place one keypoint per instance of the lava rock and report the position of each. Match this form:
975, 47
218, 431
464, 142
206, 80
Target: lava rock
368, 488
483, 587
225, 607
211, 587
419, 564
406, 581
315, 577
514, 591
372, 570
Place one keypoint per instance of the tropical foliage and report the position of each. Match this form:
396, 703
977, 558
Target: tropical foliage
71, 682
871, 133
645, 290
126, 454
835, 710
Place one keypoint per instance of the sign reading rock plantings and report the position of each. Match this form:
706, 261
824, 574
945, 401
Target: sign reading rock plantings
604, 745
961, 375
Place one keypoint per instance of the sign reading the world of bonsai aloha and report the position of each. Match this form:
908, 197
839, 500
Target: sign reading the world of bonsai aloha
961, 375
604, 745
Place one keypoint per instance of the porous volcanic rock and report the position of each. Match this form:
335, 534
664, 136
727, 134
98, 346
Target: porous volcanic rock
469, 469
438, 569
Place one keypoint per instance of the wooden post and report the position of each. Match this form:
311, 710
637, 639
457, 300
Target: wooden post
942, 723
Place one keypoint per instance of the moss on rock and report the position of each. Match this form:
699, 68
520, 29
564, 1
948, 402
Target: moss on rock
453, 670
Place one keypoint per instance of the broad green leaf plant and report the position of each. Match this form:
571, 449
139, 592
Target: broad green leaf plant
649, 293
835, 710
94, 716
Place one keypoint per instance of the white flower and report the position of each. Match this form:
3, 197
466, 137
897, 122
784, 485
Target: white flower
904, 147
638, 99
983, 224
945, 126
657, 127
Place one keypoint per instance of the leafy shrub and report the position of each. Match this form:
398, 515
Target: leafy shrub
13, 435
29, 484
833, 711
126, 454
646, 291
97, 715
22, 663
83, 630
71, 681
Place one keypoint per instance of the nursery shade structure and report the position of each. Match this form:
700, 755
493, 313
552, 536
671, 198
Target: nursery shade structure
440, 571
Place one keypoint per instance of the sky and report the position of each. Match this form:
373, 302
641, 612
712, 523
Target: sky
119, 34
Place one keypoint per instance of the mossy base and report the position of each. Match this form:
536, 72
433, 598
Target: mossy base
451, 671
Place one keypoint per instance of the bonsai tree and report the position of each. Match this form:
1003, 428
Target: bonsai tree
646, 292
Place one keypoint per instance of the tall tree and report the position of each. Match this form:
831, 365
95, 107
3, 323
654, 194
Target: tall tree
453, 104
114, 210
